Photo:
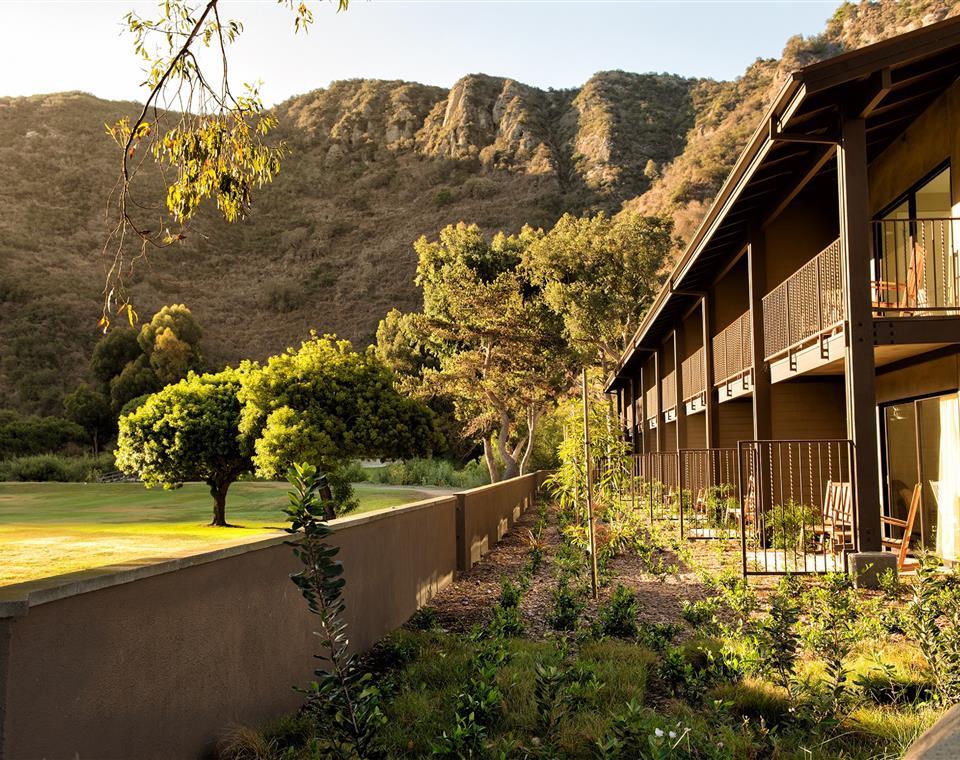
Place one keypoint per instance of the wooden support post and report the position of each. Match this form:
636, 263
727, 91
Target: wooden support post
658, 393
643, 413
587, 466
711, 413
678, 351
859, 370
637, 429
756, 268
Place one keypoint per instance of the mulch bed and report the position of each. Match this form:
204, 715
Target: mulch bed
469, 601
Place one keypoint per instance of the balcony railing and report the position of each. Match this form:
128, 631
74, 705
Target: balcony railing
651, 407
733, 351
692, 379
668, 387
807, 304
915, 268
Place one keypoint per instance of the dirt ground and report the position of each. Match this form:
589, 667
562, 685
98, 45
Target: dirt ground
470, 599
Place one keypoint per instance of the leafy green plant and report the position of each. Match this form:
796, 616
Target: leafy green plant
618, 616
558, 688
343, 695
509, 594
831, 632
933, 620
700, 613
424, 619
791, 526
778, 642
567, 606
657, 636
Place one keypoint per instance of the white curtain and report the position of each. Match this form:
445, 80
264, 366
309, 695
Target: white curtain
947, 492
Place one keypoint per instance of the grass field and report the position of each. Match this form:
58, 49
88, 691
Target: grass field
53, 528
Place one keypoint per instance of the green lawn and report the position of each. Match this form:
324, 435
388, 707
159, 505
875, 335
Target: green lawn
53, 528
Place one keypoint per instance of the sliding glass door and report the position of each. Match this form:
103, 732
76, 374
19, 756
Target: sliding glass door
922, 445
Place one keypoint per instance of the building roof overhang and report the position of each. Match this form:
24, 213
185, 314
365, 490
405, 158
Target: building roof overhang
889, 84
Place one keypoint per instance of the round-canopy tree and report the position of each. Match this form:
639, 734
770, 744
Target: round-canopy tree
91, 411
188, 431
326, 404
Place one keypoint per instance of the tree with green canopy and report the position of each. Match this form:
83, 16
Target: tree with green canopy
171, 342
113, 352
189, 431
91, 410
326, 404
601, 274
486, 339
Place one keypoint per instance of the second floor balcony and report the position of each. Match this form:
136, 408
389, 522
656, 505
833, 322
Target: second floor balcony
913, 273
733, 358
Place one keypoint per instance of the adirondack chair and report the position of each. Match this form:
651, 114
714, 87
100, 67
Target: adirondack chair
749, 503
904, 296
902, 545
837, 525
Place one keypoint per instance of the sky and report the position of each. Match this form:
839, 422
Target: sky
59, 45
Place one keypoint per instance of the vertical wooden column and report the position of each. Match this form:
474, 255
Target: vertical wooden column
859, 371
637, 429
678, 351
756, 268
711, 415
643, 412
658, 385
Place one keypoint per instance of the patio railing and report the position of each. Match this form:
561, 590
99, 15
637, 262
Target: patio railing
915, 269
797, 505
808, 304
733, 351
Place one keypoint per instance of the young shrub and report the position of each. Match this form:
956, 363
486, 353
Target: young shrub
700, 613
567, 607
342, 697
933, 620
509, 594
831, 632
778, 643
618, 616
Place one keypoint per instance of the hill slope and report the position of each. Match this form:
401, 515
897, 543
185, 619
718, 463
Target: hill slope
374, 164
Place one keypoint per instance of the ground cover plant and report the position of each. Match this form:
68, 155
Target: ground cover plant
516, 660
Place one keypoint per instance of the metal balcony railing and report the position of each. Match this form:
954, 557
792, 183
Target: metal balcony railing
651, 407
668, 387
733, 351
692, 379
809, 303
915, 267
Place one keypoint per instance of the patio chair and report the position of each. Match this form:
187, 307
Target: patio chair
837, 526
749, 503
903, 296
902, 545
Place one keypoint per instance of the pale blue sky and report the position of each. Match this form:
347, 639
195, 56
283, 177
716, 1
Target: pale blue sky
55, 45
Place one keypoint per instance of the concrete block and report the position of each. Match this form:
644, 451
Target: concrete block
866, 567
941, 741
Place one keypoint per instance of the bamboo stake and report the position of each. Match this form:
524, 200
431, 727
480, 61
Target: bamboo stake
586, 457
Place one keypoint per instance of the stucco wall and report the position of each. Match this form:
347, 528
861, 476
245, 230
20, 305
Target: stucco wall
484, 515
153, 661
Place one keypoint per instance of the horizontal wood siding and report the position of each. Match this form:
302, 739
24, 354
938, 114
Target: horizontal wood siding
809, 410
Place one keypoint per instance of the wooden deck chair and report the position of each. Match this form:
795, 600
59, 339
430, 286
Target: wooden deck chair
837, 526
888, 295
902, 545
700, 504
749, 503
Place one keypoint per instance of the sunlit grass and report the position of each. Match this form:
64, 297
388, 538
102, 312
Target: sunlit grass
54, 528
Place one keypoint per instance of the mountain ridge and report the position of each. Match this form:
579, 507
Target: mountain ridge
374, 164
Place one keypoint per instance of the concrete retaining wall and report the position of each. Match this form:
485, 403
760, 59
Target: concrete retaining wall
154, 660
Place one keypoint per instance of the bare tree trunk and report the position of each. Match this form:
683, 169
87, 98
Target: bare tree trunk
218, 490
533, 417
491, 461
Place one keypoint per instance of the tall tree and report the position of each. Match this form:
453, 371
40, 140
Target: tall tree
326, 404
189, 431
91, 410
171, 341
600, 274
495, 348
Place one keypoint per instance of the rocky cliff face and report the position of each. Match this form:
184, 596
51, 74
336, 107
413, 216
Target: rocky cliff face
373, 165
